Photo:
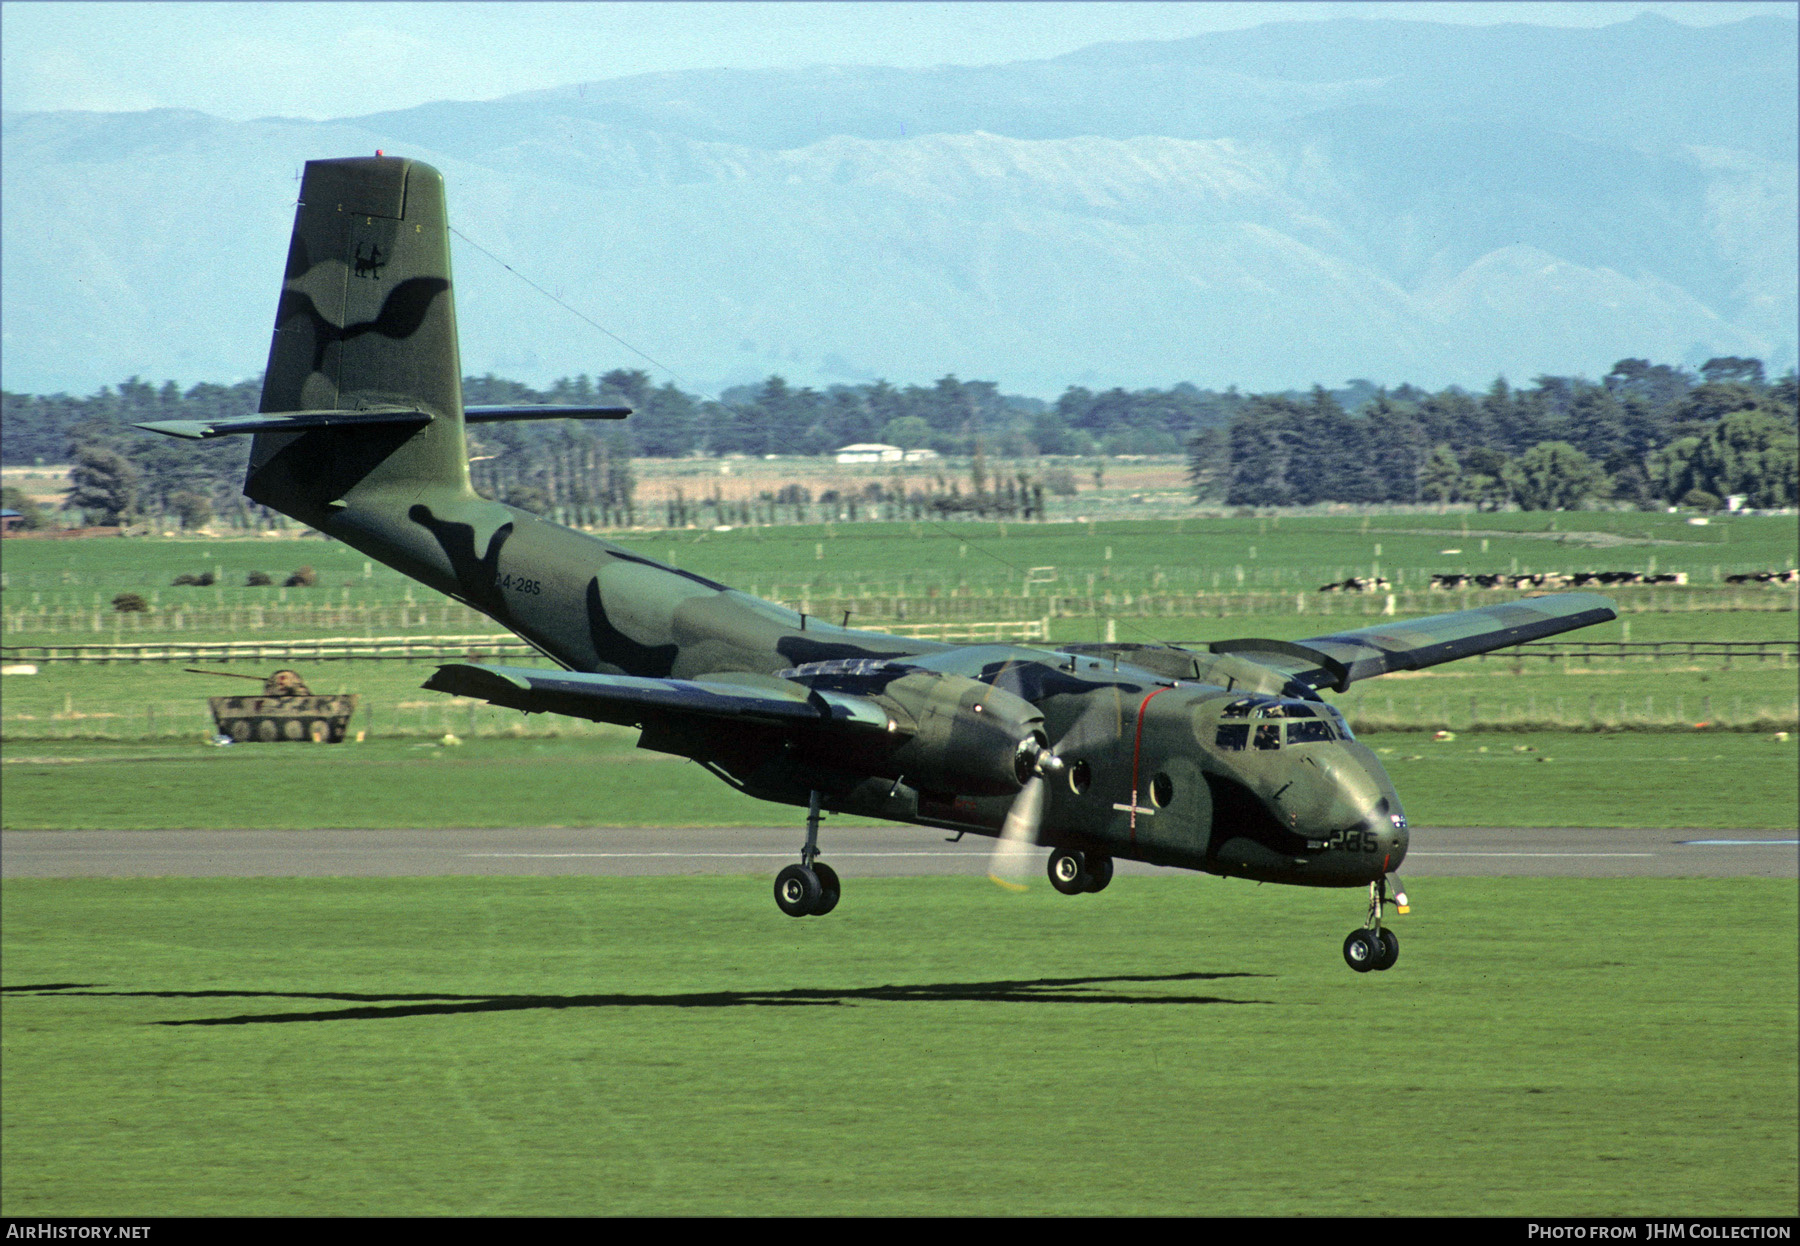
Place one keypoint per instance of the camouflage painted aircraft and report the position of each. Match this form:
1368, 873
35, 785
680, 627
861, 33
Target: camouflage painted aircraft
1225, 760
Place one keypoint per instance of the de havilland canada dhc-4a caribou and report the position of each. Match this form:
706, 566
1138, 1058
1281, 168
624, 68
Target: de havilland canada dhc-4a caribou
1224, 759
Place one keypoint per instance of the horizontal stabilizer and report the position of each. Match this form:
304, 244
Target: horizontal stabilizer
630, 699
542, 411
284, 422
1342, 658
295, 421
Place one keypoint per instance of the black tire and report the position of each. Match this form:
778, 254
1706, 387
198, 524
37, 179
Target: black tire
1100, 871
1390, 949
1361, 950
1069, 872
797, 890
829, 891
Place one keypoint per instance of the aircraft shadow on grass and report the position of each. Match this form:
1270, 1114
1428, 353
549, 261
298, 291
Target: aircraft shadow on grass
374, 1007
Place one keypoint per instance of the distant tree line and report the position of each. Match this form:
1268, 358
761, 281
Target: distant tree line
1645, 434
120, 474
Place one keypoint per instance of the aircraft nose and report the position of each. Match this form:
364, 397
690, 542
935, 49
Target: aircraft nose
1387, 825
1354, 807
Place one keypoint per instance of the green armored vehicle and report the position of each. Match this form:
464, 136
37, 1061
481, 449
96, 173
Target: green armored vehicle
286, 710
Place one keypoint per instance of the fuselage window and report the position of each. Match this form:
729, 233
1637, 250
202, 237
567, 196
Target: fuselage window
1081, 775
1268, 736
1162, 791
1233, 737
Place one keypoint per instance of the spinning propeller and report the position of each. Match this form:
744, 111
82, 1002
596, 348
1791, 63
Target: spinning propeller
1012, 851
1012, 860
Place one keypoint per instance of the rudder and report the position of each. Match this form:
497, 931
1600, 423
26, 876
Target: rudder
366, 320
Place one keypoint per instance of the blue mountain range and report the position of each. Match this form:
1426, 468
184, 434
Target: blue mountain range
1268, 208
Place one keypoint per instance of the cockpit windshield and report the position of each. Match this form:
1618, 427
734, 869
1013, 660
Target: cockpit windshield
1311, 723
1339, 721
1269, 707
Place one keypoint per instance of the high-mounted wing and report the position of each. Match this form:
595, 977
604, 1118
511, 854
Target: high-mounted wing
629, 699
1340, 659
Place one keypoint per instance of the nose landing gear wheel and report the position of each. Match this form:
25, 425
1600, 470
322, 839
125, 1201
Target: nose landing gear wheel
1100, 871
1362, 949
1375, 946
1390, 948
1069, 872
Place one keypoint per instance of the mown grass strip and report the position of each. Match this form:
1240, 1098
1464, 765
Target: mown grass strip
675, 1046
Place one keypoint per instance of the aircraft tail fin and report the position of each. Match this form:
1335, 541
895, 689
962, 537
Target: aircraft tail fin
366, 327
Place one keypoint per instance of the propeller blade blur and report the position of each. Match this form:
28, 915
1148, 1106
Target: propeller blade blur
1011, 862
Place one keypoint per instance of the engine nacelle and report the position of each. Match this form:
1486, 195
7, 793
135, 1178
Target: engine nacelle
967, 737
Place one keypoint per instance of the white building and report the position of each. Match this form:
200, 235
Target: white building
869, 452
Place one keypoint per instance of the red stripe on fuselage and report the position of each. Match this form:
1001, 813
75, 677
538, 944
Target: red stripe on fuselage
1137, 746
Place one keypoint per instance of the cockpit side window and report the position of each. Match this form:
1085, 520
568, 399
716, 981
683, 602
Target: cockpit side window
1233, 737
1268, 736
1316, 731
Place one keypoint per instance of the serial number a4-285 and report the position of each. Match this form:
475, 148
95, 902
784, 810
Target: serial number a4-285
1354, 841
519, 584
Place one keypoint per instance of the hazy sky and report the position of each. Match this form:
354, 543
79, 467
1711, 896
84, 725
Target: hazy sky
244, 60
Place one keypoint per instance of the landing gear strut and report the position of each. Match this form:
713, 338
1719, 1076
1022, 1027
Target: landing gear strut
811, 888
1375, 947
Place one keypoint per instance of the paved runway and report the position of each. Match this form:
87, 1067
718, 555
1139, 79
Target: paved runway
854, 851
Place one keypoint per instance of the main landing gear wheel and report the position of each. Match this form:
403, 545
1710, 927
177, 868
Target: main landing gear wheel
1100, 871
811, 888
830, 890
799, 891
1069, 872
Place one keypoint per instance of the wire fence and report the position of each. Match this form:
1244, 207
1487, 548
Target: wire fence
861, 610
479, 646
1370, 711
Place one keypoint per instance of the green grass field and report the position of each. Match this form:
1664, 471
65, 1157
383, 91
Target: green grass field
1692, 779
161, 700
1180, 1046
1211, 554
664, 1046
